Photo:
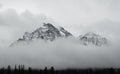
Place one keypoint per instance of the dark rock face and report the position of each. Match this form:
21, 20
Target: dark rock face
67, 34
92, 38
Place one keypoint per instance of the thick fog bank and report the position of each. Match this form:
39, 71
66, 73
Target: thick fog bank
62, 53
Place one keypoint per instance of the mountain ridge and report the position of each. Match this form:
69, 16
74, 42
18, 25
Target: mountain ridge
49, 32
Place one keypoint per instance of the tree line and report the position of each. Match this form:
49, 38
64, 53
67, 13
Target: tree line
20, 69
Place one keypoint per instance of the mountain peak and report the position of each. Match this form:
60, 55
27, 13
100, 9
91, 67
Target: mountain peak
46, 32
92, 38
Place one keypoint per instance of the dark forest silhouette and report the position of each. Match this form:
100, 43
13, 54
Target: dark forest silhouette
20, 69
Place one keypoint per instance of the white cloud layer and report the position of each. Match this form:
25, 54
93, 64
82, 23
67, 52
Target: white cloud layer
0, 5
62, 53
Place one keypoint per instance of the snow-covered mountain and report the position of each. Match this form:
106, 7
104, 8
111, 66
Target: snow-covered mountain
92, 38
49, 32
46, 32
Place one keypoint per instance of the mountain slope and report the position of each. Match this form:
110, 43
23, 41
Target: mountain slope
47, 32
92, 38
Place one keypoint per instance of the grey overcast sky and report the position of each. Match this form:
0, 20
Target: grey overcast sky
76, 16
69, 11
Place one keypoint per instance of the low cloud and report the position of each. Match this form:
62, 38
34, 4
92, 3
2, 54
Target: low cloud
61, 53
0, 5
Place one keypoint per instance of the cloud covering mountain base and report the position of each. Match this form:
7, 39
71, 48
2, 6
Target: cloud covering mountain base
61, 53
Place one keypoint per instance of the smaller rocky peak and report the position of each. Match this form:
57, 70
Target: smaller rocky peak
93, 38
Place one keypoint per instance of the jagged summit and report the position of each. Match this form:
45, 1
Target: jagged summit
92, 38
47, 32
